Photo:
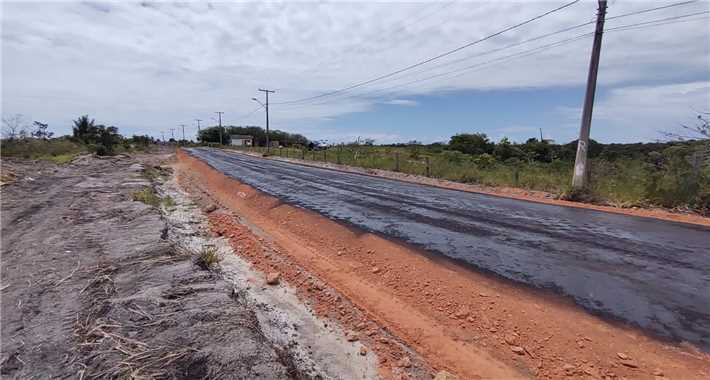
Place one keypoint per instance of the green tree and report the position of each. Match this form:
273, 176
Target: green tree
471, 143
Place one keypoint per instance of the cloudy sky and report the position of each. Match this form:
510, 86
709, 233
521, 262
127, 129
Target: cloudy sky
147, 67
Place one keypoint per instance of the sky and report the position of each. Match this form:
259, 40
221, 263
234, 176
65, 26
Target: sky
149, 67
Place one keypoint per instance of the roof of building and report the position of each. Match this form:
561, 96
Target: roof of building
241, 137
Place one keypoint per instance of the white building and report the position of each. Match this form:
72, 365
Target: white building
241, 140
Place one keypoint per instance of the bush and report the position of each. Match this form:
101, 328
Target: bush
208, 258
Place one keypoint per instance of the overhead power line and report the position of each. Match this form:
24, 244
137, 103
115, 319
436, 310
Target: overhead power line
525, 53
420, 63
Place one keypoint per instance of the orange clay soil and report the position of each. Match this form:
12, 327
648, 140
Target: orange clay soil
471, 324
506, 192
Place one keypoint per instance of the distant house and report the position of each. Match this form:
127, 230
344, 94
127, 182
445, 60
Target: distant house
242, 140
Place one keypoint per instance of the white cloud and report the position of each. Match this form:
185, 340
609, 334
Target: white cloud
147, 67
642, 112
403, 102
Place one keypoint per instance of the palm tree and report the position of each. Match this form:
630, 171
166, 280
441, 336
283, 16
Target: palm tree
83, 128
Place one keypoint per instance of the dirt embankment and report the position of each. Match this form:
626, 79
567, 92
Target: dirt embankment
508, 192
98, 285
473, 325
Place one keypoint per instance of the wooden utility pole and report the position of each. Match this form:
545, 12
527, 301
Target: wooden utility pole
267, 116
579, 178
220, 126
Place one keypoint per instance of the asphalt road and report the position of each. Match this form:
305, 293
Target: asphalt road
651, 273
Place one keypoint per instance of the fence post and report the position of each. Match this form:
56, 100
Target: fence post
428, 167
303, 154
516, 176
325, 155
396, 161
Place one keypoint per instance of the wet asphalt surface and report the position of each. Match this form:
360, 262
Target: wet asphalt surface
650, 273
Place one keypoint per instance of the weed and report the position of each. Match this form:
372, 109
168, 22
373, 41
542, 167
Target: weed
168, 202
147, 196
208, 258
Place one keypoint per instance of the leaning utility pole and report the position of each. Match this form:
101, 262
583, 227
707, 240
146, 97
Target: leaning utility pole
267, 117
579, 179
220, 126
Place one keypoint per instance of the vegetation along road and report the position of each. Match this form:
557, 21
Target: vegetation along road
647, 272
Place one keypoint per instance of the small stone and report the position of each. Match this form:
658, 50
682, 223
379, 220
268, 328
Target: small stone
461, 313
518, 350
511, 339
211, 208
273, 278
622, 356
375, 270
445, 375
352, 337
630, 363
363, 350
404, 362
657, 372
569, 368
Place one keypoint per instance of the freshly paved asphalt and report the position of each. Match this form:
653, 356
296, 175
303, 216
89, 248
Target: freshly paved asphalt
651, 273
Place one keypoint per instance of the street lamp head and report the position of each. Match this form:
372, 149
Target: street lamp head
255, 99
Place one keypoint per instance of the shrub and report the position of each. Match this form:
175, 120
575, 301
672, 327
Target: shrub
208, 258
147, 196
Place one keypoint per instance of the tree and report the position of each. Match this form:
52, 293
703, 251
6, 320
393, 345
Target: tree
40, 131
14, 127
475, 143
211, 135
84, 129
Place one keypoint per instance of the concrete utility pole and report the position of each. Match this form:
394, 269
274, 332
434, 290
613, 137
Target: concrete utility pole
579, 179
163, 134
267, 117
183, 131
172, 133
220, 126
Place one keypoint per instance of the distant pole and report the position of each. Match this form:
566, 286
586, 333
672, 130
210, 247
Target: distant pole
540, 134
267, 116
172, 133
163, 134
220, 126
183, 131
198, 128
579, 179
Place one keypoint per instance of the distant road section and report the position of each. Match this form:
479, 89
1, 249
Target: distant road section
654, 274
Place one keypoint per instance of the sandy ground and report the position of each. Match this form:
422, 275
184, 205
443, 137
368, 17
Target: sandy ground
422, 314
97, 285
508, 192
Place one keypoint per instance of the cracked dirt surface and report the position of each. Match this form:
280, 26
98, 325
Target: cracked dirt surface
97, 285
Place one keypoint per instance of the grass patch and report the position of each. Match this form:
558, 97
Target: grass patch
168, 202
59, 150
669, 176
147, 196
151, 198
208, 258
61, 159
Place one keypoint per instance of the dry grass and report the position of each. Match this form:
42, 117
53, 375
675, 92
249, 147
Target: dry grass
208, 258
